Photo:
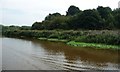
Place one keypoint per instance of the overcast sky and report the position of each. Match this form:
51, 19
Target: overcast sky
26, 12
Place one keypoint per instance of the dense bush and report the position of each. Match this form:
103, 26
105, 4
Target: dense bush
90, 36
106, 39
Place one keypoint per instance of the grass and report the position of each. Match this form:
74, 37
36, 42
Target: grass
53, 39
93, 45
42, 38
82, 44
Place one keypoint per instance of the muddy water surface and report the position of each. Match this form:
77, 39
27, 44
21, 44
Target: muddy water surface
31, 54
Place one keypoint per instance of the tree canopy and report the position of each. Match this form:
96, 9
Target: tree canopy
93, 19
72, 10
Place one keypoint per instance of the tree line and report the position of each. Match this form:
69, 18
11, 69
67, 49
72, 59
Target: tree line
90, 19
100, 25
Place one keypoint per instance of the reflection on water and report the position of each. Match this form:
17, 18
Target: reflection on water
62, 55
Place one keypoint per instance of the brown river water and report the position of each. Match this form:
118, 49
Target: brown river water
32, 54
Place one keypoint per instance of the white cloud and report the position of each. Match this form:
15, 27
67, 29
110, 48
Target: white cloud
21, 12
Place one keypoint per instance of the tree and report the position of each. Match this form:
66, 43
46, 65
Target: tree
116, 14
58, 22
104, 11
25, 28
51, 16
88, 19
109, 23
72, 10
107, 16
37, 26
100, 18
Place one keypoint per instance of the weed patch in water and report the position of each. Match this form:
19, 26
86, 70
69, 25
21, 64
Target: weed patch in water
94, 45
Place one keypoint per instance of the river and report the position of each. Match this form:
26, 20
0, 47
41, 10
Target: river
32, 54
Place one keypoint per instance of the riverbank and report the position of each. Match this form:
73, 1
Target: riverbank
102, 39
83, 44
93, 45
54, 40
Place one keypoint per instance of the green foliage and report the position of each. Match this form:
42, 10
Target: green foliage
89, 36
91, 19
73, 26
116, 14
106, 38
37, 26
72, 10
88, 19
93, 45
52, 16
25, 28
104, 11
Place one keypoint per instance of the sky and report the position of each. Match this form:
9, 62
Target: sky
26, 12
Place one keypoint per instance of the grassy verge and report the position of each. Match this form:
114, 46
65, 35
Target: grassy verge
53, 39
42, 38
83, 44
93, 45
